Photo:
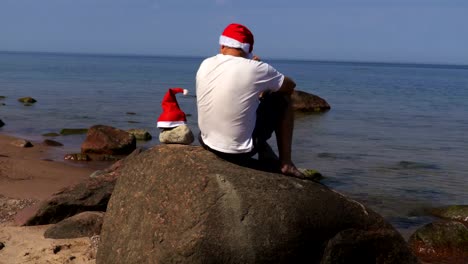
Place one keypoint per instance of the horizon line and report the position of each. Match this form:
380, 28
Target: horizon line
200, 56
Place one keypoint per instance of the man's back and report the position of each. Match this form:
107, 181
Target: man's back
227, 98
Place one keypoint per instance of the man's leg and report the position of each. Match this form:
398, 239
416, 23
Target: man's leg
284, 135
275, 114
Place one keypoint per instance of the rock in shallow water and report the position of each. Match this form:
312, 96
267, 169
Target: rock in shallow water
306, 102
102, 139
1, 123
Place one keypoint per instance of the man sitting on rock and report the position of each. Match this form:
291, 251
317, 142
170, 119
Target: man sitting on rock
241, 101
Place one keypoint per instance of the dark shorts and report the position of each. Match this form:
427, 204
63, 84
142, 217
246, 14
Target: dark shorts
269, 114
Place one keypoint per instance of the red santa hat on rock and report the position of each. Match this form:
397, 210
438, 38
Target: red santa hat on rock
171, 116
237, 36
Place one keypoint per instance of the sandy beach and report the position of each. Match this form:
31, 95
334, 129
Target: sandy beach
27, 177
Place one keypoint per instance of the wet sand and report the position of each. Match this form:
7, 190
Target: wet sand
27, 177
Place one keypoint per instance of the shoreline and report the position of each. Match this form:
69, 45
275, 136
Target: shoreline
28, 176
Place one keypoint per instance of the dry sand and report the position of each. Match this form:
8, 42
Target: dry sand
27, 177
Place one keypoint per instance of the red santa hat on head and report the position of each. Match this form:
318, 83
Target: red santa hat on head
237, 36
171, 116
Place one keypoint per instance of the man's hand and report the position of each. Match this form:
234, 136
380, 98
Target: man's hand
255, 57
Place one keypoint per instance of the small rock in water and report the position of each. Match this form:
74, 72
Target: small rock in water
140, 134
2, 97
178, 135
22, 143
1, 123
131, 113
27, 100
52, 143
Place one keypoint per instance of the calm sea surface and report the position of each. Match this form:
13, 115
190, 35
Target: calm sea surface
395, 138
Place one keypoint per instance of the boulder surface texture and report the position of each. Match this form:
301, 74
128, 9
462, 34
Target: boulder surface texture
182, 204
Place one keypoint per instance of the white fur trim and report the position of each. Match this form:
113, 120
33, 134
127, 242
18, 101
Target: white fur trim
186, 91
230, 42
169, 124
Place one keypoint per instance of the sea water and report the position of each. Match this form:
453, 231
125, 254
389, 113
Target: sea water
395, 138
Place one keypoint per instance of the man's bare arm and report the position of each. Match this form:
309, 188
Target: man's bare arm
287, 86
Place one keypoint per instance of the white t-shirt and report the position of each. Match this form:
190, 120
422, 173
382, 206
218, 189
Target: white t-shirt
228, 88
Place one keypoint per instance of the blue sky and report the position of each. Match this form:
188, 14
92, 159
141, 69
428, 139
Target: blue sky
426, 31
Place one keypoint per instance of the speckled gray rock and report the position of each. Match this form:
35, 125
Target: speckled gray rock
178, 135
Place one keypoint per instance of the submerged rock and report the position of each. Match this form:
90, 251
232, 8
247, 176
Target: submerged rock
73, 131
182, 204
1, 123
52, 143
177, 135
306, 102
52, 134
27, 100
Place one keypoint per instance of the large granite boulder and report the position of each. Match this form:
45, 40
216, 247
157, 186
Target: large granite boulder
102, 139
306, 102
182, 204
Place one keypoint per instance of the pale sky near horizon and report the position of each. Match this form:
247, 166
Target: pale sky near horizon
424, 31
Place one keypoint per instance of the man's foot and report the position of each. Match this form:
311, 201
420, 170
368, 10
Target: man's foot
291, 170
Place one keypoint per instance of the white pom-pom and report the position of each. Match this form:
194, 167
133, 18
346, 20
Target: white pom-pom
185, 91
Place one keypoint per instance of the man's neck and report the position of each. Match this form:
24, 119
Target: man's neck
232, 51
